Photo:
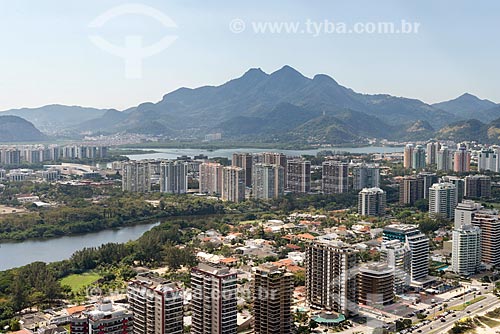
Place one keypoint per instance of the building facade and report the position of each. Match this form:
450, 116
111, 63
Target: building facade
466, 250
214, 289
331, 276
298, 176
366, 176
136, 176
173, 177
157, 305
268, 181
371, 202
272, 300
419, 249
442, 200
335, 177
376, 285
233, 184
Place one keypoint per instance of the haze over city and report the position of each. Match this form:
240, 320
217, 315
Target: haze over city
48, 56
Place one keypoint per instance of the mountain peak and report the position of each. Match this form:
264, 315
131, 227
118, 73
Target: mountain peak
467, 96
287, 71
323, 78
255, 72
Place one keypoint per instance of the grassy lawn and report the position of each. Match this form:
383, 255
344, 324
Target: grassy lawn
78, 281
462, 306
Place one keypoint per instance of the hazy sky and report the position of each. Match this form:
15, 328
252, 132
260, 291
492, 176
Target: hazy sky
46, 54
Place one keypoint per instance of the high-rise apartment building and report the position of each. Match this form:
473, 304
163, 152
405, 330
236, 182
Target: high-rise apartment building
268, 181
461, 162
459, 184
136, 176
445, 159
272, 300
105, 318
477, 186
419, 247
245, 161
466, 250
371, 202
442, 200
214, 289
335, 177
376, 285
432, 153
418, 158
397, 255
411, 189
488, 160
428, 180
211, 178
464, 213
331, 276
174, 177
298, 176
157, 305
408, 156
233, 184
366, 176
489, 223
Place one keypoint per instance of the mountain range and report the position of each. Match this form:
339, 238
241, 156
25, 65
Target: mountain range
280, 106
16, 129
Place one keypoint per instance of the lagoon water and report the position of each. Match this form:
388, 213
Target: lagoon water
173, 153
16, 254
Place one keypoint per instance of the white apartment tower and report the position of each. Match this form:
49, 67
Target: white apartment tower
442, 200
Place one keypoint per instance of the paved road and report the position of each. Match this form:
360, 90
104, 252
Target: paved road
484, 305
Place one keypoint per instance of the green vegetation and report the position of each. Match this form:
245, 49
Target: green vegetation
464, 325
78, 281
463, 306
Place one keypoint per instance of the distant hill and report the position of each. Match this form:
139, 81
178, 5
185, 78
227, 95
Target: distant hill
283, 106
468, 106
54, 118
16, 129
472, 129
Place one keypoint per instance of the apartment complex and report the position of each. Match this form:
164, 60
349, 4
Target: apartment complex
211, 178
411, 189
331, 276
157, 305
335, 177
466, 250
173, 177
214, 299
298, 173
488, 222
371, 202
477, 186
442, 200
366, 176
272, 300
233, 184
268, 181
105, 318
397, 255
419, 249
376, 285
245, 161
136, 176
